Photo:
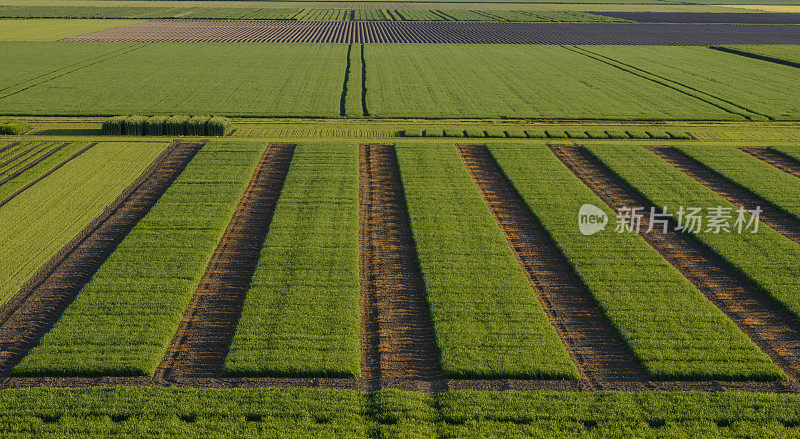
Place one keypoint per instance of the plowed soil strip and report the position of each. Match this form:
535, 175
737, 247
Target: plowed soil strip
768, 324
205, 333
43, 176
775, 159
40, 302
770, 215
592, 342
398, 343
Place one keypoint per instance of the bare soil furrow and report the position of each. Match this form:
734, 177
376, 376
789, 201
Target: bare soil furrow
203, 339
33, 311
780, 161
770, 215
398, 342
767, 323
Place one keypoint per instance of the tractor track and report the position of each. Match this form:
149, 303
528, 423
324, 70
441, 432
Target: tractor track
767, 323
38, 305
204, 336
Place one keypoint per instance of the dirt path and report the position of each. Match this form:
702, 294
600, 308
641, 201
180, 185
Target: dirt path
592, 342
775, 159
205, 333
33, 311
770, 215
768, 324
398, 343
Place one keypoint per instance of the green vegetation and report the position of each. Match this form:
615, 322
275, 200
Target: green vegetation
38, 157
41, 220
519, 81
768, 258
14, 127
778, 53
302, 314
685, 337
246, 79
772, 185
792, 152
174, 126
53, 30
750, 87
488, 320
123, 320
312, 413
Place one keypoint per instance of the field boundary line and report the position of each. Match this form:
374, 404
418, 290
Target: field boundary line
755, 56
771, 214
771, 327
33, 163
592, 342
666, 82
39, 303
47, 174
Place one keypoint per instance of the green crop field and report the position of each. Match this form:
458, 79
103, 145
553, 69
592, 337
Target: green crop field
776, 53
41, 220
435, 80
157, 266
789, 151
768, 258
772, 185
488, 320
53, 30
301, 313
684, 338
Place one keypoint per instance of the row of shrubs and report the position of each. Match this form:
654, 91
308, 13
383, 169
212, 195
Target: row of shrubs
548, 134
167, 126
14, 127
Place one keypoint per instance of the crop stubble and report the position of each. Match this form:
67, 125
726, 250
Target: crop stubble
768, 324
398, 343
38, 305
204, 335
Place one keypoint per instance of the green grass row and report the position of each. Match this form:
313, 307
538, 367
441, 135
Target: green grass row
44, 165
674, 331
40, 221
123, 320
488, 321
767, 258
519, 133
310, 413
793, 152
769, 183
302, 314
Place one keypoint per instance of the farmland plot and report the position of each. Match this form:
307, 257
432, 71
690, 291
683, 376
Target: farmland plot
487, 318
53, 29
42, 158
41, 220
514, 81
682, 337
123, 320
239, 79
768, 259
776, 53
301, 316
758, 86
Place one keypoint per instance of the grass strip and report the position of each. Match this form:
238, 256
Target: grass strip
488, 320
793, 151
769, 183
767, 258
41, 220
123, 320
669, 325
302, 313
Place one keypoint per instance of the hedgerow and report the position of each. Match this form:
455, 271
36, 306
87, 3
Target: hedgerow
171, 126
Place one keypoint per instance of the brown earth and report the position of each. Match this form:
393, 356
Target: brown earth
398, 343
33, 311
204, 336
767, 323
775, 159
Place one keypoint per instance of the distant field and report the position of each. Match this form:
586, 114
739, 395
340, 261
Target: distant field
53, 29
